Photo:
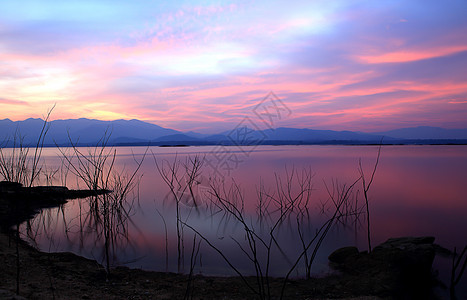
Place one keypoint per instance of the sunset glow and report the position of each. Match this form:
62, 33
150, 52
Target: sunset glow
203, 66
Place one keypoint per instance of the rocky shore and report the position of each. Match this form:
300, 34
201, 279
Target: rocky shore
390, 272
19, 203
399, 268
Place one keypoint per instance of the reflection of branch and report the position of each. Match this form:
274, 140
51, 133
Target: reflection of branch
292, 195
455, 278
194, 256
366, 187
223, 256
289, 201
193, 172
108, 214
323, 231
170, 176
18, 168
166, 242
179, 182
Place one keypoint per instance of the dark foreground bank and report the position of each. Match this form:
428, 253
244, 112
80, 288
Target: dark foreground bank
389, 272
397, 269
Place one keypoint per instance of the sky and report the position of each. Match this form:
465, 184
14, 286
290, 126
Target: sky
208, 65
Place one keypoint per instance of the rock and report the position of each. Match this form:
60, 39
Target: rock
49, 189
399, 267
405, 242
412, 255
7, 186
19, 203
4, 294
341, 255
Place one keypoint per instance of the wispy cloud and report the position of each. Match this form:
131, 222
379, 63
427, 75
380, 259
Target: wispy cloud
337, 64
13, 102
411, 55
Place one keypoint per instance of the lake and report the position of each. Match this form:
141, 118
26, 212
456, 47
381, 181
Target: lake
417, 191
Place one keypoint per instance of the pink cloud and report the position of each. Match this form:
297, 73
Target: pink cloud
13, 102
410, 55
190, 65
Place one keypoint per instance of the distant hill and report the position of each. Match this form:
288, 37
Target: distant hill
304, 134
176, 137
296, 135
425, 132
83, 131
135, 132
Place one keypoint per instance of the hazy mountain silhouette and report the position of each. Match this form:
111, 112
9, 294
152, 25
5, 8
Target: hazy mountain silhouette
87, 131
83, 131
425, 132
176, 137
304, 134
296, 134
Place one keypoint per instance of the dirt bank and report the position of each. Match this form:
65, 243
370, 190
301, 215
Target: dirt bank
68, 276
386, 273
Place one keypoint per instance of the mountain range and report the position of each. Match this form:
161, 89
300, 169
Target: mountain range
135, 132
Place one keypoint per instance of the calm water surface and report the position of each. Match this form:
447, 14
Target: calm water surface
417, 190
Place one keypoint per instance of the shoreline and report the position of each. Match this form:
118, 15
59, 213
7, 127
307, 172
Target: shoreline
400, 267
64, 275
182, 144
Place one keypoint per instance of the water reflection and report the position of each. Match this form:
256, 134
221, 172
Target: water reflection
103, 219
418, 190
